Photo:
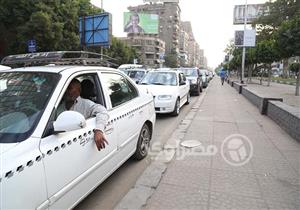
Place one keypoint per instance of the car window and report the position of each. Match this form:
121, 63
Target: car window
23, 98
160, 78
120, 89
90, 89
189, 72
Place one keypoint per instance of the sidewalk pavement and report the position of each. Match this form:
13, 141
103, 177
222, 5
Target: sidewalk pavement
206, 177
287, 92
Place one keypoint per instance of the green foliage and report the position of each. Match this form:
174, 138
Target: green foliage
288, 38
266, 52
53, 24
279, 11
171, 60
295, 67
121, 52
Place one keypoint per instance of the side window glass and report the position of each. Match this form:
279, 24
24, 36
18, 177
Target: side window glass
119, 88
88, 89
183, 77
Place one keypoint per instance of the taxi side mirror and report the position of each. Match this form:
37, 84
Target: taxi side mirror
69, 121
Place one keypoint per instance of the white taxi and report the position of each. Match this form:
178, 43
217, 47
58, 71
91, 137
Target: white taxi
170, 90
52, 162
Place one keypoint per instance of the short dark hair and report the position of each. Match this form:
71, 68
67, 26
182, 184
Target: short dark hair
135, 14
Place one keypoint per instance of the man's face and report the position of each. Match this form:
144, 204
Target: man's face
72, 92
134, 20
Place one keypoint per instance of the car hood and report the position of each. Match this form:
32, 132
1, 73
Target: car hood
5, 147
160, 89
191, 77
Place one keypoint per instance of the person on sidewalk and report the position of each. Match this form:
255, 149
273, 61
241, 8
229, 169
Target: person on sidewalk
223, 74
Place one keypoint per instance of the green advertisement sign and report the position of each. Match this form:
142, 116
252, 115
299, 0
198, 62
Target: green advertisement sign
140, 23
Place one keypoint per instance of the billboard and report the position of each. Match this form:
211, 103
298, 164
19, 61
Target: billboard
239, 38
96, 30
140, 23
245, 39
253, 12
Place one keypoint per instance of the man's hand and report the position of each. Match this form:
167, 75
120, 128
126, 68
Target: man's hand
99, 139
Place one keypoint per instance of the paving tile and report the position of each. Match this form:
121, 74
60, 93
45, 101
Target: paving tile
280, 193
221, 200
237, 183
181, 174
178, 197
218, 162
279, 168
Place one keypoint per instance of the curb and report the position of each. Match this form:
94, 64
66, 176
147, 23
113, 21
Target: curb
145, 186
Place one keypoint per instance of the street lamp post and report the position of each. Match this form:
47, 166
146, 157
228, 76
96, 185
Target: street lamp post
244, 49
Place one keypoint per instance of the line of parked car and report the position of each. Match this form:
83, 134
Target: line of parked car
49, 159
171, 88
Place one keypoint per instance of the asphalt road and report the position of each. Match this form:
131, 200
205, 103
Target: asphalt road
110, 192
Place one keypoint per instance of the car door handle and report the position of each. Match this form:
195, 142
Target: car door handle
109, 129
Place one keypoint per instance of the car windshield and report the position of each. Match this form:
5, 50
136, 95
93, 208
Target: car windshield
23, 98
160, 78
189, 72
204, 72
135, 74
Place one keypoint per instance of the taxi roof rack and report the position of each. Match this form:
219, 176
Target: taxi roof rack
59, 58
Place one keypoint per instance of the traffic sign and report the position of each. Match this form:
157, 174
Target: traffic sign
31, 44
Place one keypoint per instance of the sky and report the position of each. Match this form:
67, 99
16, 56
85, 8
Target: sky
212, 22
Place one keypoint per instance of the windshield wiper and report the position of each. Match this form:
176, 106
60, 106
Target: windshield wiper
144, 83
158, 83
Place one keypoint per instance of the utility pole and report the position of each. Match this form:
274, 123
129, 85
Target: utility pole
244, 49
101, 52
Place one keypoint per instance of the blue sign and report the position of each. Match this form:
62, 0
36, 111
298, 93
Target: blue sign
96, 30
31, 44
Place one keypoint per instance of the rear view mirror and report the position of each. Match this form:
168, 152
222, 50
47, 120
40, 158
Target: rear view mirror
69, 121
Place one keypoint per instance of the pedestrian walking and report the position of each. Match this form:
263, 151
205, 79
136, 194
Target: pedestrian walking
223, 74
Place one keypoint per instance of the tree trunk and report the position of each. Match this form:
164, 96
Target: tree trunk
285, 68
261, 76
250, 72
269, 74
297, 83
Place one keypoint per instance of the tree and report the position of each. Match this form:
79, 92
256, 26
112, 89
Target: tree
171, 59
267, 25
295, 67
53, 24
266, 53
288, 38
121, 52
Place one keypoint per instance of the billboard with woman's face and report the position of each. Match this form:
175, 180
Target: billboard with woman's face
140, 23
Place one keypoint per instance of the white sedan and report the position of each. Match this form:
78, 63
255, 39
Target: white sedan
170, 90
52, 162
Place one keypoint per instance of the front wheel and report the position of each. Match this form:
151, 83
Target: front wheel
143, 144
188, 99
176, 108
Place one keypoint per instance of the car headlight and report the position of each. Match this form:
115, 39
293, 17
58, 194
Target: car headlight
164, 97
193, 81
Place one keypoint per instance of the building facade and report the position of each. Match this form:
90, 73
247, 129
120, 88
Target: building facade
169, 22
149, 48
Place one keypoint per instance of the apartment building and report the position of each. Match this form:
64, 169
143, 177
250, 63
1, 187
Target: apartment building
149, 47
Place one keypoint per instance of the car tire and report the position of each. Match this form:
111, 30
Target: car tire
188, 99
143, 143
198, 91
176, 108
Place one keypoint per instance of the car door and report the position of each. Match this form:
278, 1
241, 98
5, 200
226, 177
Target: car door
125, 112
73, 165
183, 88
